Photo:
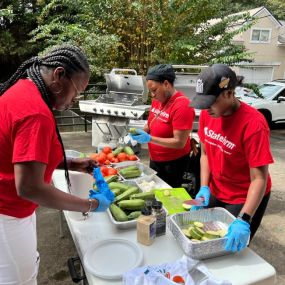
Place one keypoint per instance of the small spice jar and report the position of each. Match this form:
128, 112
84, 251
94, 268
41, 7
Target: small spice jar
160, 216
146, 227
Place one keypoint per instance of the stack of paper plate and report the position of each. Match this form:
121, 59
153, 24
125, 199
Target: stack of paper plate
111, 258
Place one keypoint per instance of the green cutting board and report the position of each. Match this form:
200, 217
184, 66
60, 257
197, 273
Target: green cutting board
172, 202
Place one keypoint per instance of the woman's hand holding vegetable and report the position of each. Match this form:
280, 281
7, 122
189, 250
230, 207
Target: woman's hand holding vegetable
103, 195
204, 193
141, 136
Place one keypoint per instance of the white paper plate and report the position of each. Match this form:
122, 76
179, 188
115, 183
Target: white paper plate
110, 258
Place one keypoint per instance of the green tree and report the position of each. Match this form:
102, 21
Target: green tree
137, 34
17, 20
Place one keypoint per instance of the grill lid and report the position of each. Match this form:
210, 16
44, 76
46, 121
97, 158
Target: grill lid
124, 87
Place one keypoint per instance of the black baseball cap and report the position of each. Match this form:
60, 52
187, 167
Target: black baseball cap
211, 82
161, 72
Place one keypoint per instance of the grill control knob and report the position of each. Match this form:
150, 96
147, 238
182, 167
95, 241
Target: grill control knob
135, 114
95, 110
124, 113
102, 110
116, 112
109, 111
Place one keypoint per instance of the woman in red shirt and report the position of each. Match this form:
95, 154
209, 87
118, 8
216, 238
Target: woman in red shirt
168, 126
235, 154
31, 148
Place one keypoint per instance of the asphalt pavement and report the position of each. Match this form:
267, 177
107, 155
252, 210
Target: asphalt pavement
269, 242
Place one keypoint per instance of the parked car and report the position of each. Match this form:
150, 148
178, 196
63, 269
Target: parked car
270, 102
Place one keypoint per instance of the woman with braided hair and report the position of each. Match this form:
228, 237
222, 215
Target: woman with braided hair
31, 148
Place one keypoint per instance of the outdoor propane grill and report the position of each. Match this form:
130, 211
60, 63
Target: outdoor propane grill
114, 111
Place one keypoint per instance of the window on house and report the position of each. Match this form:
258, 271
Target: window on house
260, 36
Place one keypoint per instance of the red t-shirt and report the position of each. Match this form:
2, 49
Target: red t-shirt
163, 120
233, 145
27, 133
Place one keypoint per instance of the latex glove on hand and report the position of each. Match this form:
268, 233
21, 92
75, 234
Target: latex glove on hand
141, 136
238, 235
204, 193
102, 185
104, 200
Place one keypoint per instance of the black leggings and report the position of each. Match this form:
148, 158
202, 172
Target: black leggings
236, 208
171, 171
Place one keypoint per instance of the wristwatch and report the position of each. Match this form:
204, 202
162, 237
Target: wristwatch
245, 217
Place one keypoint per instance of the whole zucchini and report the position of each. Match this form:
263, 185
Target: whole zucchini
134, 215
128, 150
143, 195
117, 150
119, 185
118, 214
126, 194
131, 173
135, 204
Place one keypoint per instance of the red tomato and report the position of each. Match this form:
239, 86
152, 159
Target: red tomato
107, 162
101, 157
110, 156
104, 170
106, 149
122, 156
132, 157
112, 171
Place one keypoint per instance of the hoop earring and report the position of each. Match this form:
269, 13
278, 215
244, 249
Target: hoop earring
55, 87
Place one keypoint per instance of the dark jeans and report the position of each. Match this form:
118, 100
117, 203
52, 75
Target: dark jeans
236, 208
171, 171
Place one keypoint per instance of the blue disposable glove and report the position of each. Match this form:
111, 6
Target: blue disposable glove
100, 182
204, 193
141, 136
104, 200
238, 235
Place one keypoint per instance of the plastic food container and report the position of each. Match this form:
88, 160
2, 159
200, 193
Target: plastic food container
146, 171
73, 153
126, 163
200, 249
158, 183
127, 224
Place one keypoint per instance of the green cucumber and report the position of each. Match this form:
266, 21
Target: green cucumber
126, 194
135, 204
118, 214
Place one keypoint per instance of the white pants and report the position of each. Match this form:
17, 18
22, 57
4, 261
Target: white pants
19, 258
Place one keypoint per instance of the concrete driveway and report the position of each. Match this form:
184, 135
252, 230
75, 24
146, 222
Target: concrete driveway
269, 241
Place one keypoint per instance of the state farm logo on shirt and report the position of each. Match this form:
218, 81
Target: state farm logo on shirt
161, 114
223, 143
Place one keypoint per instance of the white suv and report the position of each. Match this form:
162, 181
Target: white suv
272, 103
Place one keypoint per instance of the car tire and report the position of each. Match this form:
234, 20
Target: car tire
268, 117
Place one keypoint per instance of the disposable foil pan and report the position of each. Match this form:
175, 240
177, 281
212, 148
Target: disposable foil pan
126, 224
201, 249
146, 171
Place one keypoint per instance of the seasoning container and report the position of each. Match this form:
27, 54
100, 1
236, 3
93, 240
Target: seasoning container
160, 216
146, 227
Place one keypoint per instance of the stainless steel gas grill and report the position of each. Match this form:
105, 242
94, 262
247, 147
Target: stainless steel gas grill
123, 102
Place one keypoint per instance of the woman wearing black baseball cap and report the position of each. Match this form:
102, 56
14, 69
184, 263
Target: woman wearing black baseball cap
168, 126
235, 154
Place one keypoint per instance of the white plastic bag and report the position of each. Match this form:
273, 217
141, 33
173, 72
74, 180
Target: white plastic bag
164, 274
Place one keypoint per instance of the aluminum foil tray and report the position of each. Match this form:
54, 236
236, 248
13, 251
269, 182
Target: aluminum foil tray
146, 171
203, 249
